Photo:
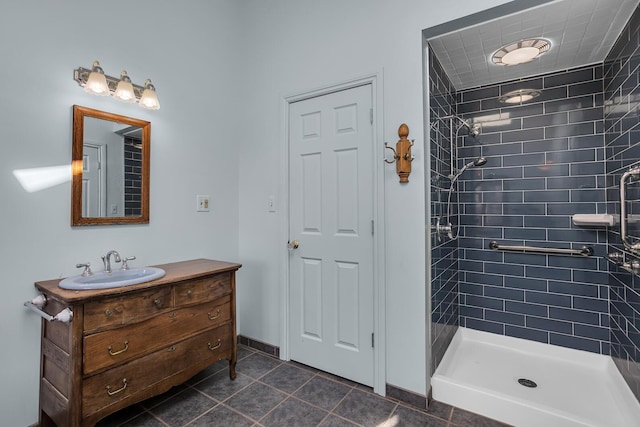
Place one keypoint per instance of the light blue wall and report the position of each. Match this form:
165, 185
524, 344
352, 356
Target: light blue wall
295, 46
222, 69
188, 50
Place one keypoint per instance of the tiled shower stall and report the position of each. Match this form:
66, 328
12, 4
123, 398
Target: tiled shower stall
560, 154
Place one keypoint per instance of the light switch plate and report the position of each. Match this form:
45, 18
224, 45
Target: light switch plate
202, 203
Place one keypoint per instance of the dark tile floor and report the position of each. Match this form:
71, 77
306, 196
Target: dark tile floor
270, 392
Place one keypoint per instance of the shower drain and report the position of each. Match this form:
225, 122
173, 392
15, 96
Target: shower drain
527, 382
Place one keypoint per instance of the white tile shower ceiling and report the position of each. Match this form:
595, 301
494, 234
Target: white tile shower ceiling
581, 32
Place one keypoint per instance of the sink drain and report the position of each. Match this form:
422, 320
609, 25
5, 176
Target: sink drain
527, 382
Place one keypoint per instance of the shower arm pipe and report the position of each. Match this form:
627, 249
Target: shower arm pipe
633, 173
584, 251
452, 156
447, 227
453, 144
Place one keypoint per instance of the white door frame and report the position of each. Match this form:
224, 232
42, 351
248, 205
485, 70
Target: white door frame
379, 271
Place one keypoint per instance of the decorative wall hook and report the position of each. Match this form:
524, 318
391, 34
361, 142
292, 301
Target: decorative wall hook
402, 156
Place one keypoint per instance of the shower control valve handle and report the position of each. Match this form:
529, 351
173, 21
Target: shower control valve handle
448, 229
632, 266
442, 229
617, 258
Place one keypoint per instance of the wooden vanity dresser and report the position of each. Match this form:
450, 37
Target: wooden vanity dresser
125, 345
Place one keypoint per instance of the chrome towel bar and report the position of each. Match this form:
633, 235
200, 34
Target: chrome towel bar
584, 251
37, 304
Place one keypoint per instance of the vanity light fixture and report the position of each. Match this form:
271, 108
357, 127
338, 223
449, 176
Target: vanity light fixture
96, 82
521, 52
519, 96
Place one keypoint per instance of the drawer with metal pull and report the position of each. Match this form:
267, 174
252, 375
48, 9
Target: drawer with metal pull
201, 290
122, 310
105, 349
130, 380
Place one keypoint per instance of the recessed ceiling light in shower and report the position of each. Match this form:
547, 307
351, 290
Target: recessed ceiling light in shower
520, 52
519, 96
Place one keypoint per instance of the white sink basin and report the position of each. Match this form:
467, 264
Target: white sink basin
115, 279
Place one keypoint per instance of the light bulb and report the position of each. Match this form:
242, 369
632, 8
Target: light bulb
149, 98
97, 82
520, 56
124, 90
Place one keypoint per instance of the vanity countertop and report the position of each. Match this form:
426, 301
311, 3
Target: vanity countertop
176, 271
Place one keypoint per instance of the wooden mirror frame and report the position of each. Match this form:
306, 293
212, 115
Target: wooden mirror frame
79, 114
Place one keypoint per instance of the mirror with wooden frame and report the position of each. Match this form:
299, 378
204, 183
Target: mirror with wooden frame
110, 164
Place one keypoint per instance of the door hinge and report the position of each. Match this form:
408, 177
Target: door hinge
373, 227
372, 341
371, 115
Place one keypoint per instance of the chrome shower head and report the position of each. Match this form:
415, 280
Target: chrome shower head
480, 161
474, 129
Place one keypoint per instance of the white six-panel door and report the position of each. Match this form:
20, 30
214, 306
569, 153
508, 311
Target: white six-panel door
92, 182
331, 213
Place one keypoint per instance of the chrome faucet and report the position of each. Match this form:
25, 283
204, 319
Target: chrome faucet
106, 260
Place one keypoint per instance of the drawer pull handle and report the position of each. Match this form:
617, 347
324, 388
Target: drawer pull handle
214, 347
172, 348
124, 385
108, 312
189, 293
158, 302
115, 353
218, 314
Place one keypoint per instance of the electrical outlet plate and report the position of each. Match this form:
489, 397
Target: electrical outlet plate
202, 203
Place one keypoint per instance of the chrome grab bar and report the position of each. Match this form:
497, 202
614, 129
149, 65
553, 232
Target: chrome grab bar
584, 251
633, 173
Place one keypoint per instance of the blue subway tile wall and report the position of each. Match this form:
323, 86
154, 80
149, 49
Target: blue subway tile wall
545, 163
560, 154
444, 254
622, 149
132, 177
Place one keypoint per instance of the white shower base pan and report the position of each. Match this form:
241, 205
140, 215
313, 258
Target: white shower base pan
480, 372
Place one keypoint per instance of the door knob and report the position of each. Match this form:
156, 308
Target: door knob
294, 245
